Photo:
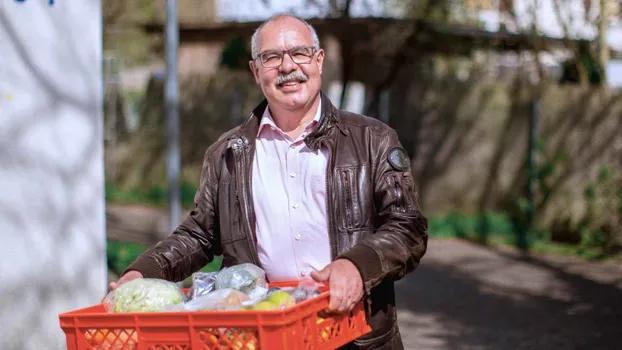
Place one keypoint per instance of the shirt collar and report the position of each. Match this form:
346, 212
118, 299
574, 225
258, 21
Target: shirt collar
268, 121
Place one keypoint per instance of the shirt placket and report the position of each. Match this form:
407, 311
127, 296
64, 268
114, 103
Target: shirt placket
292, 164
296, 204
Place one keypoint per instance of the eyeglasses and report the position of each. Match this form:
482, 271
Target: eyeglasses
274, 58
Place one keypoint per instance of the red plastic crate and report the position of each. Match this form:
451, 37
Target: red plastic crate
298, 327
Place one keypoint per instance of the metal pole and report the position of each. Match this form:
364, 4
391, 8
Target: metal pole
172, 115
603, 47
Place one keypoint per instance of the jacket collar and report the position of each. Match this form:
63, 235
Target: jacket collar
328, 120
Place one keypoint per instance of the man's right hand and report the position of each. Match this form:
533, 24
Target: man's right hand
129, 276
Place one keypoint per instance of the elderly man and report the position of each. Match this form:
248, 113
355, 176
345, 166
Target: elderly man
303, 189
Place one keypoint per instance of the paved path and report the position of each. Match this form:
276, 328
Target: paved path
465, 296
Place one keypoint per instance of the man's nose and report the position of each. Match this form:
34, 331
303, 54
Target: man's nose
288, 64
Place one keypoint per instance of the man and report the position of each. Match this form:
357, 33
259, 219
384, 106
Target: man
302, 188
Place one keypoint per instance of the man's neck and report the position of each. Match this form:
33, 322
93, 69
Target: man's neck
293, 122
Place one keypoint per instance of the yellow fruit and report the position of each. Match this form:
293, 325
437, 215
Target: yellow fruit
265, 305
282, 299
251, 345
238, 345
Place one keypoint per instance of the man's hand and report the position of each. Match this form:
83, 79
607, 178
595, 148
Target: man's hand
129, 276
345, 283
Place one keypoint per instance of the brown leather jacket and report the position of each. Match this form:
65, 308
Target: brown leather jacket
373, 212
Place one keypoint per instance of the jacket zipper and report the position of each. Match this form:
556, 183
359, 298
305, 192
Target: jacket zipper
330, 224
399, 197
348, 199
241, 151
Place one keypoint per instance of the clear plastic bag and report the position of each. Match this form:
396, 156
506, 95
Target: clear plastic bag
306, 289
202, 284
246, 278
218, 300
143, 295
280, 298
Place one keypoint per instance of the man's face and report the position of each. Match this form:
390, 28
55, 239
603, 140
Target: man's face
294, 82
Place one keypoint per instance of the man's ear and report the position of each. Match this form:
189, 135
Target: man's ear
320, 60
255, 70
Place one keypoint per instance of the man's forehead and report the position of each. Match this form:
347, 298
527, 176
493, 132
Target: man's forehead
287, 30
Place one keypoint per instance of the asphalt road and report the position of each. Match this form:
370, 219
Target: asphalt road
465, 296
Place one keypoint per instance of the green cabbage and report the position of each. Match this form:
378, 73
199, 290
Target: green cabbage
144, 295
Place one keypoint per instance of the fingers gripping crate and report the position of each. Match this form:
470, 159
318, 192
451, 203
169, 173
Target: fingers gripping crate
298, 327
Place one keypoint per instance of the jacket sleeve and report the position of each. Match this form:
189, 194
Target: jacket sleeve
401, 238
193, 244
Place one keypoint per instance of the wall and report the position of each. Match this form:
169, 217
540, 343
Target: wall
51, 168
468, 141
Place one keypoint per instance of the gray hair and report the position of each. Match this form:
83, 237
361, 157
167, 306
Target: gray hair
255, 37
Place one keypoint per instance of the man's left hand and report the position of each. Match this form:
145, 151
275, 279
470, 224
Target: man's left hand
345, 283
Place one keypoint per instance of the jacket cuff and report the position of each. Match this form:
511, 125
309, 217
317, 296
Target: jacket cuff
147, 266
366, 260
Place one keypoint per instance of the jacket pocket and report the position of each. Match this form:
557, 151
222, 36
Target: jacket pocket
349, 201
402, 189
229, 213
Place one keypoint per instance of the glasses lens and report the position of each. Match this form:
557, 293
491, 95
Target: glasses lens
299, 55
271, 59
302, 55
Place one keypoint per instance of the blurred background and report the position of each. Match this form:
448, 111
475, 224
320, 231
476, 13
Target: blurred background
510, 109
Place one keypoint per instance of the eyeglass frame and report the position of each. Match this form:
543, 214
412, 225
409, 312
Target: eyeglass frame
282, 53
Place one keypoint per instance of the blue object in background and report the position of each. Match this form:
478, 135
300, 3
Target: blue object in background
50, 2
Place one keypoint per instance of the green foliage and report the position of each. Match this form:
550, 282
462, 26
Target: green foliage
462, 225
121, 254
154, 195
235, 54
599, 227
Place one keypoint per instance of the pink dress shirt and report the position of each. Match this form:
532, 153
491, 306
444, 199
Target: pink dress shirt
289, 195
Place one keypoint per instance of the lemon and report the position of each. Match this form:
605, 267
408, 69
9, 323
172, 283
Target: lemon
282, 299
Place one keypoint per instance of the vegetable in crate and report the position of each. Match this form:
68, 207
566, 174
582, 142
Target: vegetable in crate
143, 295
278, 300
246, 278
218, 300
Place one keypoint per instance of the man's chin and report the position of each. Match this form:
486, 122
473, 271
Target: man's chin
293, 99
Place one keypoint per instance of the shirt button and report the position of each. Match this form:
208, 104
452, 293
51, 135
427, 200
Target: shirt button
297, 237
292, 175
303, 273
295, 206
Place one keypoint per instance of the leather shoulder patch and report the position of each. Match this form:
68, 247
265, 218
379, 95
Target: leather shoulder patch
398, 158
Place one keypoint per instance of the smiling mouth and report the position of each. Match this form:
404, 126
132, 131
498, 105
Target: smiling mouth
291, 83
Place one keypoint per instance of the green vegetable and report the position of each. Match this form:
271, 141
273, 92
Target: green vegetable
144, 295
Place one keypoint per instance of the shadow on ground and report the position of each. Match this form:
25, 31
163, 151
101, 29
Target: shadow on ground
465, 296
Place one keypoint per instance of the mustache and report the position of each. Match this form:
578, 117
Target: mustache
295, 75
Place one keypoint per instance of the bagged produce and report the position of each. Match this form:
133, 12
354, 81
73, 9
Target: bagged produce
143, 295
218, 300
246, 278
283, 298
202, 284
